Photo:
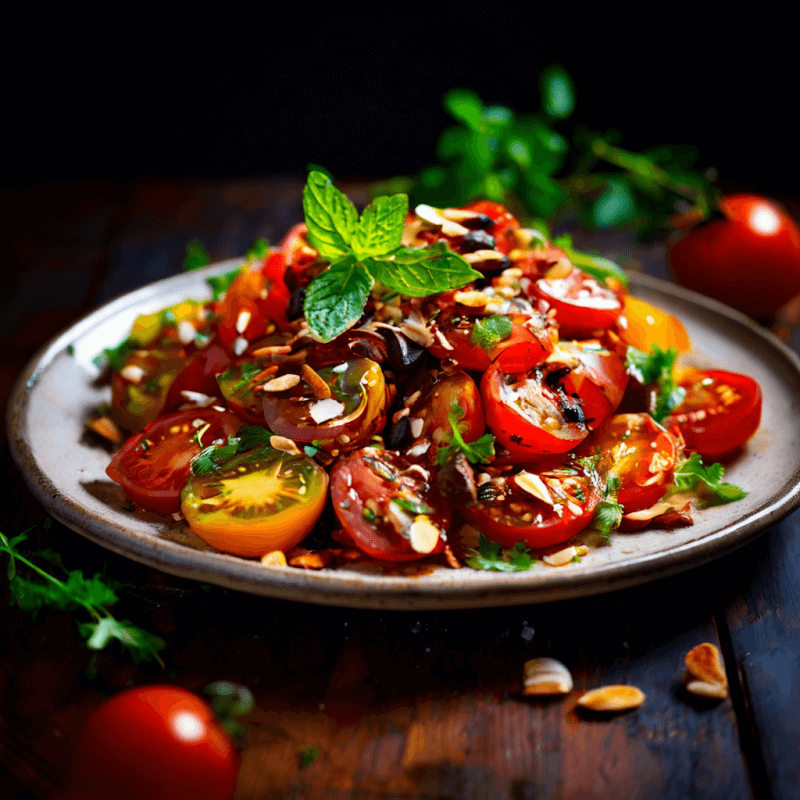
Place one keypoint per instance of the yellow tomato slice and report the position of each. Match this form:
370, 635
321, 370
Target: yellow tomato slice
648, 325
256, 502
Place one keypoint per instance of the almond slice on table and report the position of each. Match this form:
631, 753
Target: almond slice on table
704, 669
713, 691
545, 676
613, 698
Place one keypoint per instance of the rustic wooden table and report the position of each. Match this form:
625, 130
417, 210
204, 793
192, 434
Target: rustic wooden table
398, 704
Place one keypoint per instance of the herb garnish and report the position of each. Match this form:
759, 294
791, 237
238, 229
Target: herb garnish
73, 592
196, 256
491, 556
657, 369
608, 514
597, 266
692, 472
364, 250
211, 459
489, 331
478, 452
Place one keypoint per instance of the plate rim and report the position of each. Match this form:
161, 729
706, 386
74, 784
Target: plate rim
395, 593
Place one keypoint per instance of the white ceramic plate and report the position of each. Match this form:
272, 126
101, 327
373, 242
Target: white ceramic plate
65, 469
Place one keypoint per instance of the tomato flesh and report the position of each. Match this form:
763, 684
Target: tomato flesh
720, 413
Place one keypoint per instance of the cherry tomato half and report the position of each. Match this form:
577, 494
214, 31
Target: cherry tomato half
159, 742
720, 412
642, 325
256, 502
390, 506
540, 506
638, 451
749, 260
153, 465
504, 223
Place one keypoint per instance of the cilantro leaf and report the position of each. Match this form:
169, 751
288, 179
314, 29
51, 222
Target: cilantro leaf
692, 472
487, 332
335, 299
478, 452
221, 283
413, 505
489, 555
608, 514
657, 368
196, 256
259, 250
114, 357
380, 229
210, 459
596, 266
331, 218
252, 436
419, 272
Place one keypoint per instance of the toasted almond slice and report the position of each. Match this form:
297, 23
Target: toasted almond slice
423, 535
283, 383
546, 676
705, 662
434, 218
560, 269
450, 556
460, 214
613, 698
265, 373
314, 560
713, 691
107, 428
285, 445
272, 350
485, 257
533, 484
321, 389
561, 557
274, 559
132, 373
472, 299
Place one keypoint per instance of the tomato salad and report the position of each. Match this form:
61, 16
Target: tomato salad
328, 390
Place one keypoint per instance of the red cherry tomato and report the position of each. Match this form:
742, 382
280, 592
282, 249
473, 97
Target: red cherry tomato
199, 375
582, 305
389, 506
720, 412
504, 223
749, 260
278, 293
158, 742
241, 311
540, 506
153, 466
638, 451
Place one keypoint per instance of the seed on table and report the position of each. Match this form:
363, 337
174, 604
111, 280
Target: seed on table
704, 662
714, 691
543, 676
613, 698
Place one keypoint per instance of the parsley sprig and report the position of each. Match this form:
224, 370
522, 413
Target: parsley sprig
491, 556
657, 369
74, 592
692, 472
212, 458
478, 452
608, 513
364, 250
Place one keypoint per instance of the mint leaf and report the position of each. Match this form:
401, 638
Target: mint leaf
380, 228
692, 472
221, 283
487, 332
598, 267
196, 256
331, 218
489, 555
335, 299
419, 272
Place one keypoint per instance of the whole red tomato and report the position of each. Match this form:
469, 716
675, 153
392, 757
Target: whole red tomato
155, 742
750, 260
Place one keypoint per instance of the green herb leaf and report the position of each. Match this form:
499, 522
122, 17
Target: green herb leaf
491, 556
331, 218
465, 106
335, 299
656, 368
480, 451
380, 228
196, 256
114, 357
558, 92
307, 756
598, 267
252, 436
487, 332
259, 250
692, 472
608, 514
221, 283
419, 272
210, 460
413, 505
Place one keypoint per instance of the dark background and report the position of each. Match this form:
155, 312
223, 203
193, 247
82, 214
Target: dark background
361, 93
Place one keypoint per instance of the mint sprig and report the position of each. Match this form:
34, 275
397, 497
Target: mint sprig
692, 472
363, 250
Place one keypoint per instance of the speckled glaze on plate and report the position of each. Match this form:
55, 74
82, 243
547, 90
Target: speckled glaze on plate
57, 393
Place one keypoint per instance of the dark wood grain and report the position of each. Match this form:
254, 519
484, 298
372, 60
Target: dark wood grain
399, 704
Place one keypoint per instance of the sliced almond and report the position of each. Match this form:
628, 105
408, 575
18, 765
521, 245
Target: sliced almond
274, 559
533, 484
132, 373
560, 269
313, 560
486, 258
460, 214
450, 556
705, 662
472, 299
321, 389
423, 535
561, 558
613, 698
434, 218
107, 428
272, 350
546, 676
282, 383
284, 445
714, 691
